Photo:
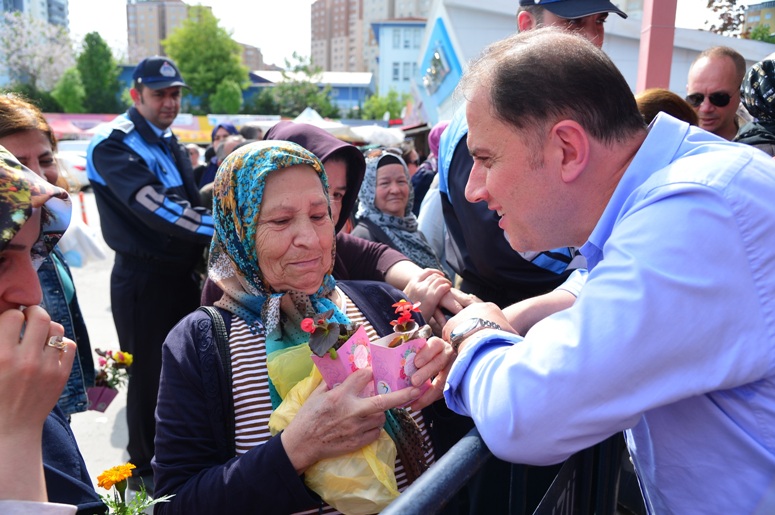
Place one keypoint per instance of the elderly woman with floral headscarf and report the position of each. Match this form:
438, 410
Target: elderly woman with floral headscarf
757, 93
272, 255
385, 209
40, 458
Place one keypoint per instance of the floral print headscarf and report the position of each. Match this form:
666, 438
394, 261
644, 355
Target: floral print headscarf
402, 230
238, 191
21, 191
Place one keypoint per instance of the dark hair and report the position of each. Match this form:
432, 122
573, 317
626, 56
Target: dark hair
251, 130
19, 115
655, 100
537, 78
724, 51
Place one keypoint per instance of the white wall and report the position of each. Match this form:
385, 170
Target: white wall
473, 24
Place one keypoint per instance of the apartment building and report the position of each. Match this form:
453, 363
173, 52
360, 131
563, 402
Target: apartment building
342, 35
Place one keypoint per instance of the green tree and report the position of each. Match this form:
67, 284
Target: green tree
731, 15
376, 105
299, 89
69, 92
762, 33
227, 99
126, 99
261, 103
206, 55
99, 74
44, 100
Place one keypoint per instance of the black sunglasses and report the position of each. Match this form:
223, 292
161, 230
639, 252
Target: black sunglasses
718, 99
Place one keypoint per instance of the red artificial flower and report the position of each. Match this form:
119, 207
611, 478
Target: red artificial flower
404, 309
308, 325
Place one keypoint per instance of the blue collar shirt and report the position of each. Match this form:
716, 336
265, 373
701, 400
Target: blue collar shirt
671, 339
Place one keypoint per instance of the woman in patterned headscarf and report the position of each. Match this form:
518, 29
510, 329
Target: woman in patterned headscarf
40, 456
272, 254
385, 209
757, 93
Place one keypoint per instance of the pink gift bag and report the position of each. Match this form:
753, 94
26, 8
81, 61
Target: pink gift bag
394, 366
353, 355
100, 397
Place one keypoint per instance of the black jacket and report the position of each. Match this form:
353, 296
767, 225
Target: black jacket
149, 205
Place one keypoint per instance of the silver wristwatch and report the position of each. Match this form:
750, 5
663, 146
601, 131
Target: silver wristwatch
465, 329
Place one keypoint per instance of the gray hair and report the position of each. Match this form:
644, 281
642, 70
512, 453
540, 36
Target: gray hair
537, 78
221, 153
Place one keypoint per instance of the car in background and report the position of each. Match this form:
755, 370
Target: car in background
71, 155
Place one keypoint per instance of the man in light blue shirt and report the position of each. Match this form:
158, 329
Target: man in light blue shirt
672, 338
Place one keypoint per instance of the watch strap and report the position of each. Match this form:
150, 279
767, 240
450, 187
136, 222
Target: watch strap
481, 323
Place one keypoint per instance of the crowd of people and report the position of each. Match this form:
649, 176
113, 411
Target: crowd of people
589, 265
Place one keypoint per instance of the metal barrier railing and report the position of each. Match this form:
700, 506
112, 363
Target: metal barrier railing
586, 484
436, 487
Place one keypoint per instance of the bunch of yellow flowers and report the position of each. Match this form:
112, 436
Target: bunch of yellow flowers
116, 478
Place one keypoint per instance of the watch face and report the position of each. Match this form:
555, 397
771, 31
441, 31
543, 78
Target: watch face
461, 330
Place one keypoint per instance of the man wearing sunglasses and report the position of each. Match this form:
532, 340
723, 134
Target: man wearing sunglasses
713, 89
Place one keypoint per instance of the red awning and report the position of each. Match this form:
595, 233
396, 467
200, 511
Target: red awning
65, 129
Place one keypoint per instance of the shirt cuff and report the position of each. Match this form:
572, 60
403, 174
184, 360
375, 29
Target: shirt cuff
36, 508
574, 282
475, 348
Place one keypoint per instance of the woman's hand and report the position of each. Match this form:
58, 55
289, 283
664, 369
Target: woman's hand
32, 376
433, 362
335, 422
435, 292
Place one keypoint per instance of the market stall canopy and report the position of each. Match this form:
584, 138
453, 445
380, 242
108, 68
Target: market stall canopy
65, 129
340, 130
377, 135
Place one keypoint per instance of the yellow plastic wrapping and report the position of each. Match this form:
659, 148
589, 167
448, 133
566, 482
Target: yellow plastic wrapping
359, 483
287, 367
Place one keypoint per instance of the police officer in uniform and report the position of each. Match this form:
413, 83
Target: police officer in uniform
151, 217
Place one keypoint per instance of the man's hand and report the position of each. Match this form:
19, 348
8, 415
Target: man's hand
485, 310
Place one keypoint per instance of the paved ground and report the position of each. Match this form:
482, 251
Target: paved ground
102, 437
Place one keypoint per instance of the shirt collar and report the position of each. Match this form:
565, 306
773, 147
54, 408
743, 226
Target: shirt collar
160, 133
664, 139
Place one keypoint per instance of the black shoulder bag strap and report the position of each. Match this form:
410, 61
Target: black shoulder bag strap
378, 233
222, 343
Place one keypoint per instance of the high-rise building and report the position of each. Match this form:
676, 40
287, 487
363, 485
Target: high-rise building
149, 22
252, 57
53, 11
342, 38
330, 40
760, 14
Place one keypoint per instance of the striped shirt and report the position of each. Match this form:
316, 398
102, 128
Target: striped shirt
250, 389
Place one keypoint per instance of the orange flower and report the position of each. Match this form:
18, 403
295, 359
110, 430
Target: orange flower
114, 475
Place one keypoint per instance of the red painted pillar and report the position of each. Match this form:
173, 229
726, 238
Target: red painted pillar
656, 44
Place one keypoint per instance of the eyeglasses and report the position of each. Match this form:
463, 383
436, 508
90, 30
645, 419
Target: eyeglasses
718, 99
